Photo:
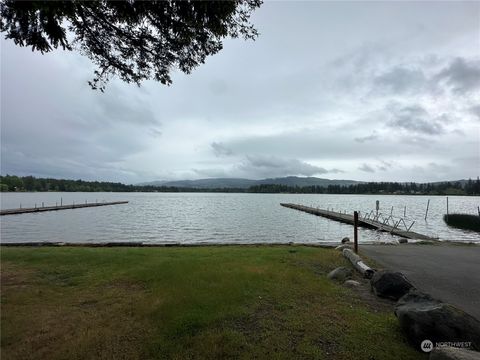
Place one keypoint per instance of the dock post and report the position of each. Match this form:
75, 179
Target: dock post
355, 231
43, 204
61, 201
426, 211
405, 211
377, 206
391, 211
447, 208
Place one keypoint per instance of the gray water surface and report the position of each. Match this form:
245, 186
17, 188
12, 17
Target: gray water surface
219, 217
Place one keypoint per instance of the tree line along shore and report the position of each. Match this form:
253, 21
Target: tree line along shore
12, 183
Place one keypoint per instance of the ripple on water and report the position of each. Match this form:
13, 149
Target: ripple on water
217, 218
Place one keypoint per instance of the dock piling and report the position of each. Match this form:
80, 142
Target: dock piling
428, 204
447, 208
355, 231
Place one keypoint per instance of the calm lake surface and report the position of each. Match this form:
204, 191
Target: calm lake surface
219, 218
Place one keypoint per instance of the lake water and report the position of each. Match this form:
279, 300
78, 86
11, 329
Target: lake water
219, 218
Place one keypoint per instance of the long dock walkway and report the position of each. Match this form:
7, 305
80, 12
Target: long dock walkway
55, 208
364, 222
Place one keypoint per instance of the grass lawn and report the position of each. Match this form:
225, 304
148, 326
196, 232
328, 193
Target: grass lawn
210, 302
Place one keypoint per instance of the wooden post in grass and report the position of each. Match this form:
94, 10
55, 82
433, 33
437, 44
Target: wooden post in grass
355, 231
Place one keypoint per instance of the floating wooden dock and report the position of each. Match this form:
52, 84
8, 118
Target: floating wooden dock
364, 222
55, 208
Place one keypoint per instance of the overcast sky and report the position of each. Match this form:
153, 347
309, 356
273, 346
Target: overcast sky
380, 91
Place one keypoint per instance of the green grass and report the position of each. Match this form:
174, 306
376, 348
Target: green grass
271, 302
463, 221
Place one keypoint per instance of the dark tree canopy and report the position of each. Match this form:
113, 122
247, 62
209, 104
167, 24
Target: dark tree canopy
135, 40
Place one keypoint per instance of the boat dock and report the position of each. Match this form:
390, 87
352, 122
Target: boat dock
362, 221
57, 207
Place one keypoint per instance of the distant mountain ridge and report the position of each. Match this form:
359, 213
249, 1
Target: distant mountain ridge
239, 183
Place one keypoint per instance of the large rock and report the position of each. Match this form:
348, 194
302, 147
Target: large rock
340, 274
389, 284
422, 317
452, 353
345, 240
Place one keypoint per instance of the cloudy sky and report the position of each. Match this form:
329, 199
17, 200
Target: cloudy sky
381, 91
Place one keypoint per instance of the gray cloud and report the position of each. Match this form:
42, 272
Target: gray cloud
366, 168
328, 104
371, 137
413, 118
155, 132
461, 75
333, 144
271, 166
475, 110
119, 106
59, 132
219, 149
400, 79
212, 173
384, 165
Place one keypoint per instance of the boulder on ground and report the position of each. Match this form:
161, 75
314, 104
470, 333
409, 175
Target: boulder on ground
389, 284
340, 274
403, 241
453, 353
351, 283
423, 317
345, 240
